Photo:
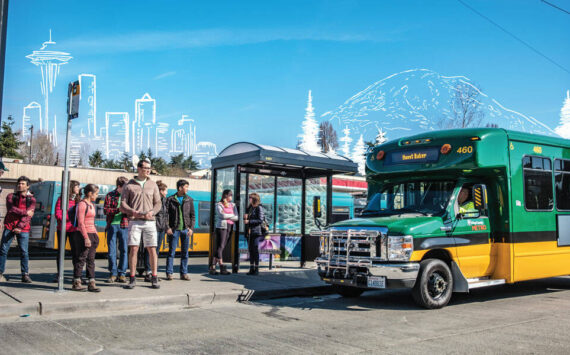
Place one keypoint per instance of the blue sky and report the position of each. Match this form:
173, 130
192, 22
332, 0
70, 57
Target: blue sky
242, 69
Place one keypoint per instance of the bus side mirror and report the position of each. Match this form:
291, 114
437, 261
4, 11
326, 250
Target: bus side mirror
480, 197
317, 207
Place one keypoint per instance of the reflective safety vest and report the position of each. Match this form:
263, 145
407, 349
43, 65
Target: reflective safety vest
467, 207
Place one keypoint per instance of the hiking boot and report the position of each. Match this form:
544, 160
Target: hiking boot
111, 279
77, 286
224, 270
213, 271
185, 277
26, 279
122, 279
168, 277
148, 278
2, 278
132, 283
92, 287
154, 282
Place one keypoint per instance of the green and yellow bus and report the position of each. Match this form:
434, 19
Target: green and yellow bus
450, 211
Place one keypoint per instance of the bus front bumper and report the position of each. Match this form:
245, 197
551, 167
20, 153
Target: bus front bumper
369, 276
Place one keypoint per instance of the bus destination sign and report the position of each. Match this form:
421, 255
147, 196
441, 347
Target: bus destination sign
421, 155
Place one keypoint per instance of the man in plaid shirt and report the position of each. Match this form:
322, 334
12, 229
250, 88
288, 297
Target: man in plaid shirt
117, 230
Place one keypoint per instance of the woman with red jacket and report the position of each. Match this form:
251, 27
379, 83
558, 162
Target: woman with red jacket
73, 196
86, 239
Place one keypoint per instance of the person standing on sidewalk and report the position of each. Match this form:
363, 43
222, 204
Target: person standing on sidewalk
253, 221
161, 227
226, 215
141, 202
86, 240
117, 231
181, 219
73, 196
20, 207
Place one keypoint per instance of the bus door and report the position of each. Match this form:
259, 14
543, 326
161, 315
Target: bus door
472, 234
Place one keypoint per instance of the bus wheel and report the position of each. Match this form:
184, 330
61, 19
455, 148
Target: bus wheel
348, 291
434, 285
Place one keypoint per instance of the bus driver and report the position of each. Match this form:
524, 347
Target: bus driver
466, 205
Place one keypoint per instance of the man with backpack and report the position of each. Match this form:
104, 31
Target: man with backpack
117, 230
181, 219
20, 207
140, 201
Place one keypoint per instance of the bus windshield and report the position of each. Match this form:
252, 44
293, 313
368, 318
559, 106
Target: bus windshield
427, 198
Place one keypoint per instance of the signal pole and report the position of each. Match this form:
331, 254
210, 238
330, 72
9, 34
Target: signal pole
31, 142
72, 112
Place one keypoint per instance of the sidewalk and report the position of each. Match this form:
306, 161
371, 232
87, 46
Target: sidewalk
41, 298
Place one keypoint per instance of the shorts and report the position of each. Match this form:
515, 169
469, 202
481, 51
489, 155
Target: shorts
144, 229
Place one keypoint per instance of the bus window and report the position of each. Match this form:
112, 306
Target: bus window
562, 182
537, 175
340, 213
203, 213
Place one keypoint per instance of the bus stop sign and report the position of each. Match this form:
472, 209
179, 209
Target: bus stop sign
73, 91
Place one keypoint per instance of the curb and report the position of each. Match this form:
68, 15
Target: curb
157, 302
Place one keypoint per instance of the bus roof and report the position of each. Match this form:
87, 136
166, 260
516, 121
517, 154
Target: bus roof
469, 148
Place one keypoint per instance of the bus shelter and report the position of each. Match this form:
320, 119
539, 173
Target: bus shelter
287, 181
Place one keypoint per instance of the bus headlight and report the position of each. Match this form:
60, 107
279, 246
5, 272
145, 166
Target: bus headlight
400, 247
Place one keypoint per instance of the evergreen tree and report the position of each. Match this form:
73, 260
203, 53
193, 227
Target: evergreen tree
564, 129
358, 155
328, 140
309, 137
96, 159
381, 137
9, 143
346, 140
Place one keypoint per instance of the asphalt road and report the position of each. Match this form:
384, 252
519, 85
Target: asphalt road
531, 317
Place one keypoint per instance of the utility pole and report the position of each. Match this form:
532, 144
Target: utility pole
72, 112
31, 143
3, 28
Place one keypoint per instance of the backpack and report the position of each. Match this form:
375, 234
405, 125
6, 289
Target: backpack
264, 225
72, 214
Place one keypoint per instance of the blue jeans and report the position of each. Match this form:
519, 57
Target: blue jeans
159, 239
116, 233
22, 238
172, 244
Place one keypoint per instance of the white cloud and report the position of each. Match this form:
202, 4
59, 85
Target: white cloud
157, 40
164, 75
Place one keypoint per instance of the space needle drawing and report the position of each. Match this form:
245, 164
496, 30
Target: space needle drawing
49, 62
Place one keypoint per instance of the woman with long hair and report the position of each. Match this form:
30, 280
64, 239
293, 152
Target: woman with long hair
86, 239
226, 215
253, 220
73, 196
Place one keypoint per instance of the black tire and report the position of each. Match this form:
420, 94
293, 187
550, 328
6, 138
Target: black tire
434, 285
348, 291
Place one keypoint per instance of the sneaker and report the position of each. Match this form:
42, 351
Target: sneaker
154, 281
132, 283
2, 278
26, 279
77, 286
185, 277
111, 279
92, 287
148, 278
122, 279
168, 277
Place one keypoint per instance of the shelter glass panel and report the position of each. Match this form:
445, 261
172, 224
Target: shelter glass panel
264, 186
315, 187
289, 205
224, 180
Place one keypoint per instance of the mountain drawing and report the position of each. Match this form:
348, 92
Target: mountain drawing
419, 100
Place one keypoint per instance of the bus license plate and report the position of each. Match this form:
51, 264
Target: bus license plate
376, 281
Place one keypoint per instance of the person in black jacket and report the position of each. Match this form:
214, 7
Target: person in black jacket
254, 219
161, 226
181, 218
